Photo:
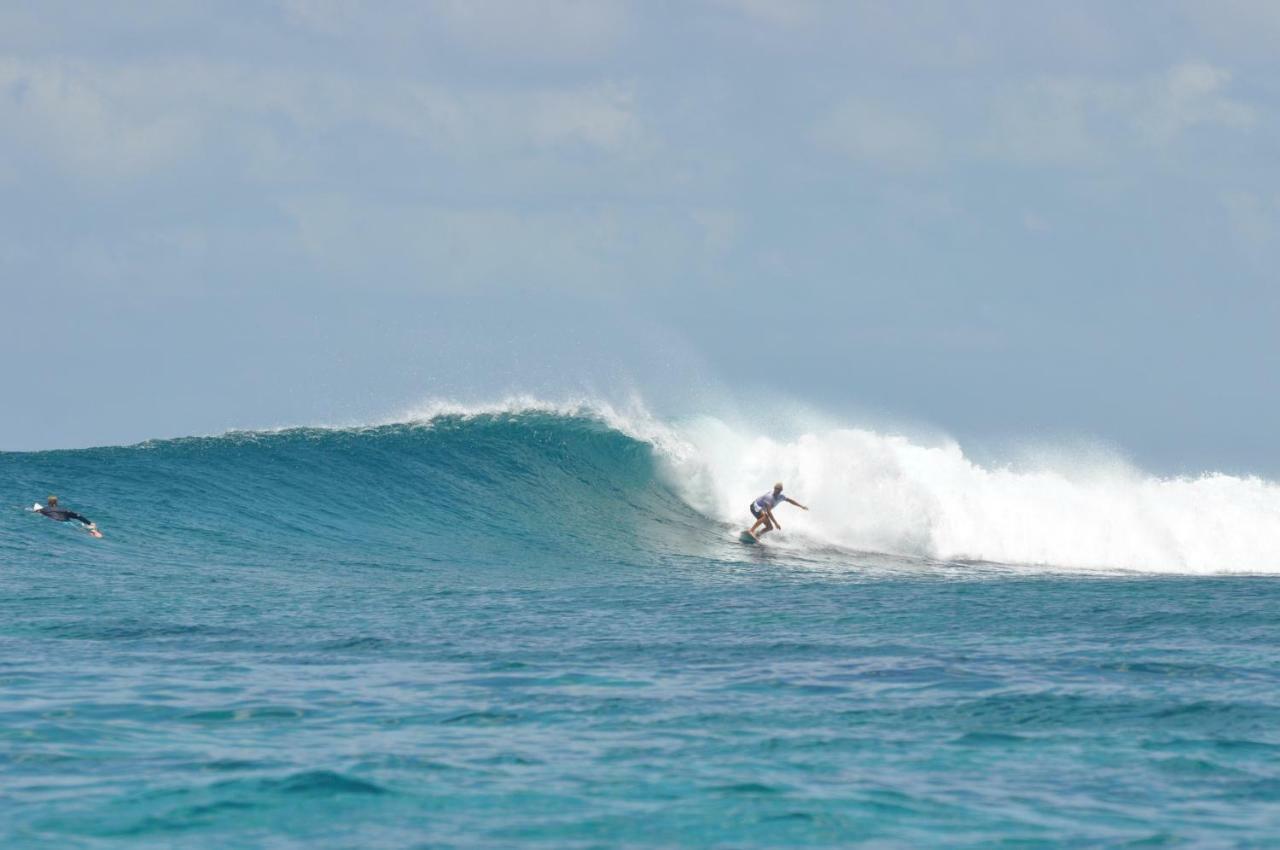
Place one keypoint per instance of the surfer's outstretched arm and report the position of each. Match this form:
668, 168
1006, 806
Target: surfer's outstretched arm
797, 504
79, 517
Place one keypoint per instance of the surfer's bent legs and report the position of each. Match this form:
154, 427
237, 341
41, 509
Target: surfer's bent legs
762, 519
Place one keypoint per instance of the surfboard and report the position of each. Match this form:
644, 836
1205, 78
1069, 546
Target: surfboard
745, 537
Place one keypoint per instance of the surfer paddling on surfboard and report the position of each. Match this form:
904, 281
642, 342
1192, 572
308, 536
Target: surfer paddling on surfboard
762, 510
52, 511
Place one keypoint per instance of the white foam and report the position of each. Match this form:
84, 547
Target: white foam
886, 493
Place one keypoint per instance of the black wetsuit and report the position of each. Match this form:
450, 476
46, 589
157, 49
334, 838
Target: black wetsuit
62, 516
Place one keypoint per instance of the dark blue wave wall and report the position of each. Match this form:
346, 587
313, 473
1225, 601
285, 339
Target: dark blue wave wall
511, 488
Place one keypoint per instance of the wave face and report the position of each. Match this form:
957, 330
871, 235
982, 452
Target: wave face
524, 480
464, 488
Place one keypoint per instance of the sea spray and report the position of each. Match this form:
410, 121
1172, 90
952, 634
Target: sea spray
886, 493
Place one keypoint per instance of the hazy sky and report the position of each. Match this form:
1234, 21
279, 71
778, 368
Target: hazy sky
1004, 218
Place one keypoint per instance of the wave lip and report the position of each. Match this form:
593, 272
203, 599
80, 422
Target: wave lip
632, 419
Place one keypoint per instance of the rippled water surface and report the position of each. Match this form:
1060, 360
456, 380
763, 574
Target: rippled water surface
681, 704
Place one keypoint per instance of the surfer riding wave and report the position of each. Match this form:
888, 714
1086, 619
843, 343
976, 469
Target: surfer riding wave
762, 510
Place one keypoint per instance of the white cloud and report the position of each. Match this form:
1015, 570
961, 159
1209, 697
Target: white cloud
602, 118
719, 229
1254, 217
554, 31
866, 131
582, 249
330, 17
1247, 29
81, 119
1033, 222
578, 26
1080, 120
787, 13
122, 121
1187, 96
454, 250
1045, 121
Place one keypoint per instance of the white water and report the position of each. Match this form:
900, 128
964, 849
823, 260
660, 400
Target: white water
885, 493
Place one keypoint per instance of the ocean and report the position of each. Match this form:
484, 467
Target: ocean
531, 625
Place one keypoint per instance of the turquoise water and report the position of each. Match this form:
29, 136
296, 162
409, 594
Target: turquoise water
510, 631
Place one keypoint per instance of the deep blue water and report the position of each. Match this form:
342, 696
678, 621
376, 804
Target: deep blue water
507, 631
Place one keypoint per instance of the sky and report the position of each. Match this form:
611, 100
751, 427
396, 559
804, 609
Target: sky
1003, 220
